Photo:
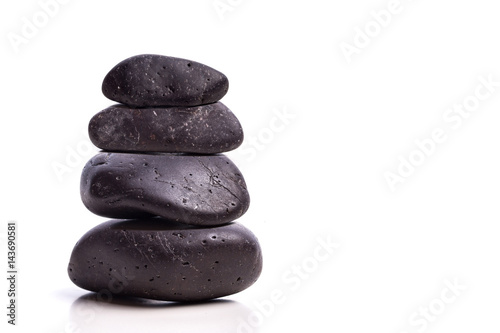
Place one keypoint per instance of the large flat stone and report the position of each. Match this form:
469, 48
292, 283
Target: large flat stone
164, 260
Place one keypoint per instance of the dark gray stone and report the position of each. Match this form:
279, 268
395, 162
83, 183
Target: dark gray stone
156, 80
193, 189
205, 129
163, 260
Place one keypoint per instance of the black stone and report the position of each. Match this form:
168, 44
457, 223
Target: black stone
193, 189
205, 129
163, 260
155, 80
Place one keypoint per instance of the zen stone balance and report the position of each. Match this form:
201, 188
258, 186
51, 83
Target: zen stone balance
172, 195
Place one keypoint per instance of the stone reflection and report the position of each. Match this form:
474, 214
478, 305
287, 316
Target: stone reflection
128, 314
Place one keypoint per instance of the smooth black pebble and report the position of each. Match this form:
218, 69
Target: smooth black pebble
163, 260
192, 189
156, 80
205, 129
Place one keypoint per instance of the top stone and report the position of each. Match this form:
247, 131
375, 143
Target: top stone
150, 80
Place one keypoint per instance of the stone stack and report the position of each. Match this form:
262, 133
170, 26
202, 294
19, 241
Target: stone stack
162, 172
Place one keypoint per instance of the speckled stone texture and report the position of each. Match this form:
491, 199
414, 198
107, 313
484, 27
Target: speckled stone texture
163, 260
150, 80
205, 129
192, 189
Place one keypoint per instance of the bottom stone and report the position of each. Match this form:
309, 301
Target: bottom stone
164, 260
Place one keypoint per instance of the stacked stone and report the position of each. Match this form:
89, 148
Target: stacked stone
163, 174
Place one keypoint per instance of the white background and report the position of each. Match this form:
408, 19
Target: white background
320, 176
